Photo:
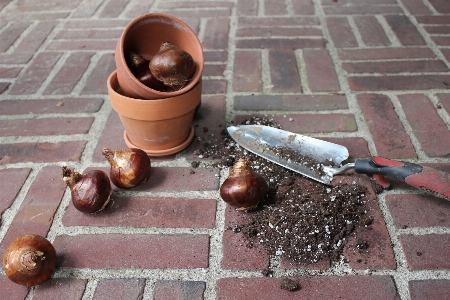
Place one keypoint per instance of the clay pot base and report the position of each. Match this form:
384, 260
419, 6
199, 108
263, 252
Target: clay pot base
164, 152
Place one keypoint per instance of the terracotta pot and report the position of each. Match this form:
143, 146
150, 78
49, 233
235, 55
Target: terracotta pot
144, 36
159, 127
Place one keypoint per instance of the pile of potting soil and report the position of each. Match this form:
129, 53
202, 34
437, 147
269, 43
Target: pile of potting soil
300, 220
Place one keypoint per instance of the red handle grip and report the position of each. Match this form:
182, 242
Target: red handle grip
431, 181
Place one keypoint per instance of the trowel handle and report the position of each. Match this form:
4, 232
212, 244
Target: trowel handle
427, 179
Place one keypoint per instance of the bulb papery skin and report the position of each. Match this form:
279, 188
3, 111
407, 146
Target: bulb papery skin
29, 260
172, 66
129, 167
243, 188
91, 192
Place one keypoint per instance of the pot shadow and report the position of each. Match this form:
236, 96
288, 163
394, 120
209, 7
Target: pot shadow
155, 179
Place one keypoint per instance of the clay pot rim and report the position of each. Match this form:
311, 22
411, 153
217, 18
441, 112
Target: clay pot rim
156, 109
145, 91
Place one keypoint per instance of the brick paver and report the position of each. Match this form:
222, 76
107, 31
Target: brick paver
372, 75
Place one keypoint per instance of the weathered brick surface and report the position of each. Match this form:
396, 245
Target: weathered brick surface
371, 75
132, 251
119, 289
427, 126
418, 210
36, 213
428, 251
180, 290
61, 288
129, 211
392, 140
429, 289
320, 287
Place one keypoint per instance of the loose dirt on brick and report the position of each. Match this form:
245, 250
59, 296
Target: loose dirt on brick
300, 220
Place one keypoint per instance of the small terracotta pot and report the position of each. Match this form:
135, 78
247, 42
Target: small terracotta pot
144, 36
159, 127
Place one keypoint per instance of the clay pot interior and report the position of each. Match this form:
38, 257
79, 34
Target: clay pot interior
159, 127
144, 36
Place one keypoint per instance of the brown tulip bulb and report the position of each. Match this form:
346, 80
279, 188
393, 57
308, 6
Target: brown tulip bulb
29, 260
172, 66
91, 191
243, 188
129, 167
139, 66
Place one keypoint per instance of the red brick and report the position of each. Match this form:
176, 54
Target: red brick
11, 181
180, 179
10, 72
426, 251
45, 126
119, 289
86, 8
216, 37
10, 290
215, 56
278, 31
3, 86
304, 123
290, 102
41, 152
30, 81
79, 24
416, 7
361, 9
36, 16
441, 40
236, 255
283, 71
444, 100
51, 106
111, 137
214, 70
44, 6
69, 75
135, 9
60, 288
357, 147
82, 45
418, 211
211, 116
441, 6
214, 86
320, 71
198, 4
247, 71
372, 33
385, 53
446, 53
391, 141
96, 82
290, 43
180, 290
341, 32
132, 251
303, 7
427, 126
199, 13
89, 34
274, 8
278, 21
15, 57
247, 7
9, 35
433, 19
429, 289
317, 287
399, 82
34, 39
396, 66
36, 212
113, 8
134, 211
405, 31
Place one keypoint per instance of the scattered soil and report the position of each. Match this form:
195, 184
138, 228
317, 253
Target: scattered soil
300, 220
289, 284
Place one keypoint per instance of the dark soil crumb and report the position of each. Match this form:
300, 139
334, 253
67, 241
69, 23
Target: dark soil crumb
289, 284
267, 272
300, 220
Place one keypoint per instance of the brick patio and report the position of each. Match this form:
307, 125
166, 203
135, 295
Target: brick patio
373, 75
